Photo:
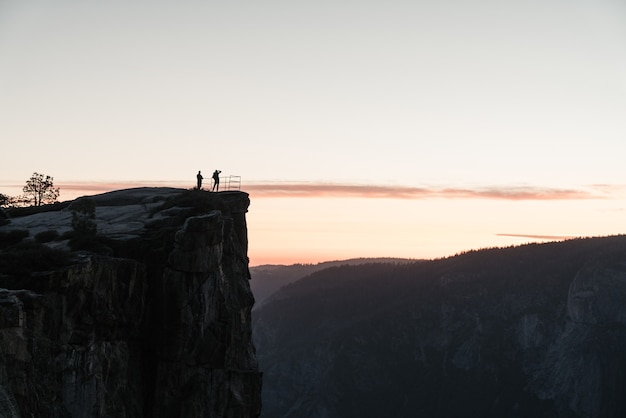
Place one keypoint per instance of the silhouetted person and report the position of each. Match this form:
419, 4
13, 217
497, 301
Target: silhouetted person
216, 180
199, 177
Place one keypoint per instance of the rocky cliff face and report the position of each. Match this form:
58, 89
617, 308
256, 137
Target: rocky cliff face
537, 330
156, 325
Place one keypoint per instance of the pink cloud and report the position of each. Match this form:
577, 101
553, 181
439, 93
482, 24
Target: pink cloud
71, 190
273, 190
76, 189
548, 237
109, 186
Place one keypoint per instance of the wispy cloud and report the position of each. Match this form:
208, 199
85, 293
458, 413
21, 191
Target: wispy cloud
72, 190
101, 187
344, 190
273, 190
532, 236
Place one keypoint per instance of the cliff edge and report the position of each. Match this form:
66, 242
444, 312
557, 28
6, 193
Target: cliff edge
148, 316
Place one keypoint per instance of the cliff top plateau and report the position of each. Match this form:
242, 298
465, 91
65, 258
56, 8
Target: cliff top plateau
133, 303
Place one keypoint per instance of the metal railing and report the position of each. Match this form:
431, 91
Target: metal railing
230, 183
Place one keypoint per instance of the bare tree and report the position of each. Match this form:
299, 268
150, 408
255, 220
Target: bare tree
40, 190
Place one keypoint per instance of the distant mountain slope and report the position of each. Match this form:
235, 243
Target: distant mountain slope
530, 331
268, 278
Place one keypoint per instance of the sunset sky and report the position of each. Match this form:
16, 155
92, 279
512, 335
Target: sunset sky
360, 129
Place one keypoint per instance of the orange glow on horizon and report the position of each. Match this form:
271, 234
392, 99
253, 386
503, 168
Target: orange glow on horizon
290, 223
270, 190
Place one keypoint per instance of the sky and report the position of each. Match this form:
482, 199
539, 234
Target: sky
413, 129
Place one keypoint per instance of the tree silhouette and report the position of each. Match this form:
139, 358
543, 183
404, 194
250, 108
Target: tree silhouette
40, 190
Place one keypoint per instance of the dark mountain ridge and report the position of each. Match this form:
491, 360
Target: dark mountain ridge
536, 330
268, 278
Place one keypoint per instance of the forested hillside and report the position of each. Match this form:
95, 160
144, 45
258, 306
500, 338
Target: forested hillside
536, 330
269, 278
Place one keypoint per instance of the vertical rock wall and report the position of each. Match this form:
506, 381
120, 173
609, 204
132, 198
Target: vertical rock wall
70, 343
206, 351
109, 337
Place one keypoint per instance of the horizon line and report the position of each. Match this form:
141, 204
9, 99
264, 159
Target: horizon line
306, 190
347, 190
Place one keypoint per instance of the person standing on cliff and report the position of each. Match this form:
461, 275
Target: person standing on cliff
199, 177
216, 180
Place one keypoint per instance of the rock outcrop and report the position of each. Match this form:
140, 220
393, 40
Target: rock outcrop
156, 323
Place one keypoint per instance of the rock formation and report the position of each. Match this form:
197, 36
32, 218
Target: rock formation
153, 323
